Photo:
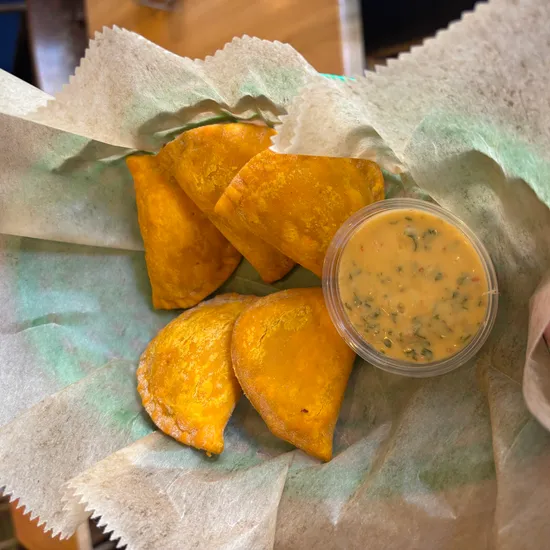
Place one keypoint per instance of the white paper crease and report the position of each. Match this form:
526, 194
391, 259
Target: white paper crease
454, 463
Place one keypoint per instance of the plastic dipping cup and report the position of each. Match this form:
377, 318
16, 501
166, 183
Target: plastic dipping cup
415, 365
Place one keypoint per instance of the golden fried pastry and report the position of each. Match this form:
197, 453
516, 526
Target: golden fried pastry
187, 257
185, 377
204, 161
293, 367
297, 202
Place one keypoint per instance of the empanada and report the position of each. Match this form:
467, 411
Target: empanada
187, 257
293, 366
204, 161
297, 202
185, 377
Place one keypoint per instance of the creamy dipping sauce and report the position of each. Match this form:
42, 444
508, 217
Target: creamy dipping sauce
413, 286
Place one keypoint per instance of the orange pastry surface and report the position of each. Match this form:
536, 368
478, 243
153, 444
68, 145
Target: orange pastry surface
187, 257
185, 377
297, 202
293, 366
204, 161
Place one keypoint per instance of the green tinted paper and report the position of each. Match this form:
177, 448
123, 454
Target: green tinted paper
454, 462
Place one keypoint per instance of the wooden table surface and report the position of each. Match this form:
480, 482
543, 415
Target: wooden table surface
33, 537
197, 28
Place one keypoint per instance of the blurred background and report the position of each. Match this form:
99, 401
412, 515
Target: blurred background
42, 42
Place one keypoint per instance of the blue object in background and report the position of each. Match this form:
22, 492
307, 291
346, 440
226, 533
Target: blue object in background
10, 26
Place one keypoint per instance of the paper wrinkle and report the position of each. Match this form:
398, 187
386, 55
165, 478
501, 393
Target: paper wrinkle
452, 157
453, 462
67, 310
226, 502
62, 187
536, 381
17, 98
62, 436
540, 314
105, 101
474, 67
77, 186
346, 122
72, 307
345, 503
522, 451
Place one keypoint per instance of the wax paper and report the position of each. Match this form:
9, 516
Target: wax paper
66, 310
493, 64
83, 427
73, 280
453, 462
536, 380
18, 98
142, 90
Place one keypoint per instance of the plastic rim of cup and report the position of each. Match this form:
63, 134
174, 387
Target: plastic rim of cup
348, 332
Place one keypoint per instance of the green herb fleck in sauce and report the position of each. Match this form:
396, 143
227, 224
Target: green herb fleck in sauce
410, 233
415, 302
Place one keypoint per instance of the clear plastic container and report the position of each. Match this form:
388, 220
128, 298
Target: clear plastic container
344, 326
